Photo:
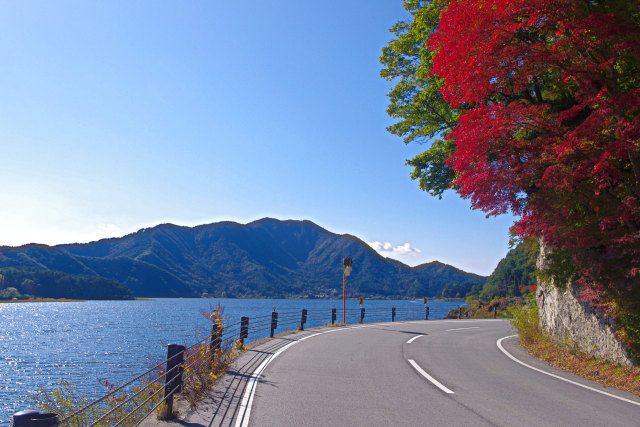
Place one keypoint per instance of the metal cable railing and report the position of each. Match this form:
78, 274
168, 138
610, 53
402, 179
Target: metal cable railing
131, 402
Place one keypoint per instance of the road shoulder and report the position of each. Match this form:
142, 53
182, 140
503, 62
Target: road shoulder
512, 345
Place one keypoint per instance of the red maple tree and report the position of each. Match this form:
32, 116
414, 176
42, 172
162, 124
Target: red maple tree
550, 127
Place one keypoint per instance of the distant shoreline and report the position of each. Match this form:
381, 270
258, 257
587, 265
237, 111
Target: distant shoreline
253, 297
13, 301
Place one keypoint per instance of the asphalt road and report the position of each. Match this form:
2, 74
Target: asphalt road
373, 376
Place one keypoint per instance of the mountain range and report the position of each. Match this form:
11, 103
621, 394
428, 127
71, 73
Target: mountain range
265, 258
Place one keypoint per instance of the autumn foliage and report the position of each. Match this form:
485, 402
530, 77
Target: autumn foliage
550, 128
547, 98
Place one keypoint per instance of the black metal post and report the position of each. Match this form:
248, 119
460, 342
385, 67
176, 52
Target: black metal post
244, 328
31, 418
274, 322
216, 339
333, 315
303, 319
495, 312
426, 313
173, 376
393, 313
460, 312
361, 315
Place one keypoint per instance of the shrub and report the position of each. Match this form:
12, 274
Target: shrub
128, 405
206, 363
524, 319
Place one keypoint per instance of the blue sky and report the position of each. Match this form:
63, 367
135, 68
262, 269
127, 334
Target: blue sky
120, 115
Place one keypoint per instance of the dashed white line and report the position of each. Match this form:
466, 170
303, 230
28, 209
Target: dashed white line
413, 339
244, 412
433, 381
499, 343
462, 329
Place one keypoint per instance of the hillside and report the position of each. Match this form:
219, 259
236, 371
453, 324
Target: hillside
31, 282
269, 258
513, 274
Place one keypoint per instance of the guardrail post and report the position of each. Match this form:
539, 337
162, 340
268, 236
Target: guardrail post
333, 315
274, 322
303, 319
361, 315
244, 328
31, 418
173, 374
216, 339
426, 313
393, 313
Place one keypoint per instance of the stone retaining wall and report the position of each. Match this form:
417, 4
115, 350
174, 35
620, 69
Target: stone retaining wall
569, 320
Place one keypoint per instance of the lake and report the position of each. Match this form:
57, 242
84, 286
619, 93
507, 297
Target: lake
83, 342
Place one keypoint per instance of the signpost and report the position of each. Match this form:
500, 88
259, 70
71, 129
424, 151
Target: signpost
347, 265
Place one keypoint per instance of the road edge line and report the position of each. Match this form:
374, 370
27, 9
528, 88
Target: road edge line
512, 357
433, 381
244, 411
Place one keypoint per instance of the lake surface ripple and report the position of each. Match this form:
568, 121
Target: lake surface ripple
83, 342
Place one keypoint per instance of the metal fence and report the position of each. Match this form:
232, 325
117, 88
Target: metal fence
129, 403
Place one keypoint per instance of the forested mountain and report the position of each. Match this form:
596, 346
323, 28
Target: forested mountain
54, 284
513, 273
268, 258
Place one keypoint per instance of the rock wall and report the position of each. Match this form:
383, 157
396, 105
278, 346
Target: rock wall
563, 316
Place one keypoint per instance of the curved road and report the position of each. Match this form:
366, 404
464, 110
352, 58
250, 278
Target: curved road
376, 375
442, 372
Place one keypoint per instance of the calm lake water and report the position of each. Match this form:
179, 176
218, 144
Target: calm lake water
83, 342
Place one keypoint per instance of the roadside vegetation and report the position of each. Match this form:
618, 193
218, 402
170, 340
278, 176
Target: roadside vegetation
204, 367
204, 364
567, 357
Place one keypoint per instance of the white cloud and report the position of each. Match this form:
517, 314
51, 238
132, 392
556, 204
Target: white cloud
386, 249
377, 246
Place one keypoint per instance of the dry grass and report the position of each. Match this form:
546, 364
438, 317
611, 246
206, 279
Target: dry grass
570, 359
125, 406
205, 364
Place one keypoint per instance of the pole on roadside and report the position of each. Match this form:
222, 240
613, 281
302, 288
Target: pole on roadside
347, 265
344, 298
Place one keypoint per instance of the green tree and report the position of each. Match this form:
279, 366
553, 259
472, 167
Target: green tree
416, 100
29, 286
55, 284
533, 106
9, 293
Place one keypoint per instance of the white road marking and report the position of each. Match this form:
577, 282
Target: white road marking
499, 343
413, 339
244, 412
434, 381
462, 329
